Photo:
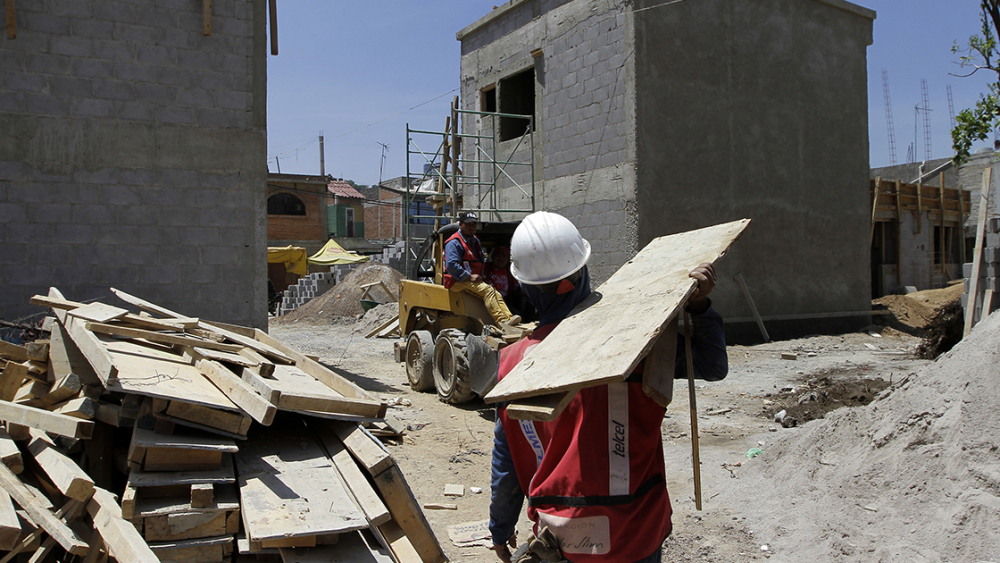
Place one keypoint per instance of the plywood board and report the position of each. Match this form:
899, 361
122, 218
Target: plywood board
289, 487
604, 338
156, 372
295, 390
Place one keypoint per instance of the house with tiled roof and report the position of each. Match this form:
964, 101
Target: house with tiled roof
345, 211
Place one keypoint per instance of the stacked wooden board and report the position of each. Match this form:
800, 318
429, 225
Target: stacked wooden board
133, 437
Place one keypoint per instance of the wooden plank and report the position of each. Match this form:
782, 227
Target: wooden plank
365, 448
143, 304
151, 336
65, 387
206, 18
13, 352
238, 392
65, 474
155, 372
374, 509
66, 358
261, 385
60, 303
339, 384
544, 408
122, 539
201, 550
202, 495
10, 454
45, 420
977, 254
147, 479
162, 459
407, 514
10, 527
92, 348
12, 19
383, 326
285, 472
290, 388
11, 379
81, 407
353, 547
402, 549
98, 312
228, 357
38, 350
252, 343
148, 439
208, 418
264, 366
48, 521
633, 306
190, 525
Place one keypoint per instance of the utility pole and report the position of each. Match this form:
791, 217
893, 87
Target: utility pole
322, 156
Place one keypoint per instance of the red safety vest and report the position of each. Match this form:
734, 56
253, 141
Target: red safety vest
501, 280
473, 260
594, 475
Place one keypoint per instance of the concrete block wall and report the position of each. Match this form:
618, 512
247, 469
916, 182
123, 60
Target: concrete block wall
989, 274
132, 155
584, 140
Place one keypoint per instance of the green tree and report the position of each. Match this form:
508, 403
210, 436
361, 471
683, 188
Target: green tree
982, 53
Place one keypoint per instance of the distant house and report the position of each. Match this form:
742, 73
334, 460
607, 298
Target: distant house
345, 213
297, 210
384, 211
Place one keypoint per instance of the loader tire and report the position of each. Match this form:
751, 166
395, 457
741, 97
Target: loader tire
420, 360
451, 370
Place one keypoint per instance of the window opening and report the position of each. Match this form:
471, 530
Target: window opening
517, 96
350, 222
285, 204
489, 100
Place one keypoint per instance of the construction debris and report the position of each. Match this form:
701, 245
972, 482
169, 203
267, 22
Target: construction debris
178, 439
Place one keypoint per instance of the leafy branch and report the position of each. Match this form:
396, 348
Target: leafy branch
982, 53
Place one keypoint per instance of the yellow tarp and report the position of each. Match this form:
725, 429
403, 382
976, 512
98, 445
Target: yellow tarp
332, 254
293, 257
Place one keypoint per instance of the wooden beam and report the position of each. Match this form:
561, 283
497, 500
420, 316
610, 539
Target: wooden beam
13, 352
48, 521
374, 509
206, 18
10, 454
11, 20
160, 337
11, 379
123, 540
363, 446
753, 306
92, 347
10, 527
544, 408
81, 407
65, 474
64, 388
273, 8
237, 390
406, 512
44, 420
977, 254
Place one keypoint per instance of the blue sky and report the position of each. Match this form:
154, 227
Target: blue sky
360, 71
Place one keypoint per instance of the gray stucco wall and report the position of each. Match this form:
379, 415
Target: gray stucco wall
759, 109
584, 138
132, 155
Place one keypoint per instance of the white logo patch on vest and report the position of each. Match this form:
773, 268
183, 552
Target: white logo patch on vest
590, 534
528, 429
618, 460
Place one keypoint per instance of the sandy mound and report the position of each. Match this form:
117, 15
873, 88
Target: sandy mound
344, 299
916, 312
914, 476
376, 317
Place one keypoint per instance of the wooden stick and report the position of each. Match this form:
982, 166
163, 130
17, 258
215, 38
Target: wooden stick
977, 254
40, 515
273, 6
11, 21
206, 18
116, 330
69, 510
878, 188
695, 453
753, 307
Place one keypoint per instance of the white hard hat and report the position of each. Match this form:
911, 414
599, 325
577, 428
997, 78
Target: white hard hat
545, 248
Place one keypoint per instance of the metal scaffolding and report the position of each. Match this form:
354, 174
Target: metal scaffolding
479, 176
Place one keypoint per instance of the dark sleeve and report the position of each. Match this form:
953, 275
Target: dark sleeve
708, 347
453, 253
506, 497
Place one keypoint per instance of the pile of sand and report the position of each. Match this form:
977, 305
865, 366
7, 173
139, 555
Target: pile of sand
376, 317
344, 299
914, 476
914, 313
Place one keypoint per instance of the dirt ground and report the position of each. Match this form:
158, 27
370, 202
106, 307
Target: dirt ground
447, 444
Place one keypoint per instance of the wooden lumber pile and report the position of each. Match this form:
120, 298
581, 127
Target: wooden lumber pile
131, 437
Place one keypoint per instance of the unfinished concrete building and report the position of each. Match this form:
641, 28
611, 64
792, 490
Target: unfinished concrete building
647, 118
132, 154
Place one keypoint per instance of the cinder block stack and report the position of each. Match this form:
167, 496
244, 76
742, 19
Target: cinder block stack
308, 288
989, 270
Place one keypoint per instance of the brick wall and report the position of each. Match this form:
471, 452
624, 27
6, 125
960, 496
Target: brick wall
132, 155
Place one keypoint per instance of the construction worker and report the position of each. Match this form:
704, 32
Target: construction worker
594, 476
463, 261
497, 273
